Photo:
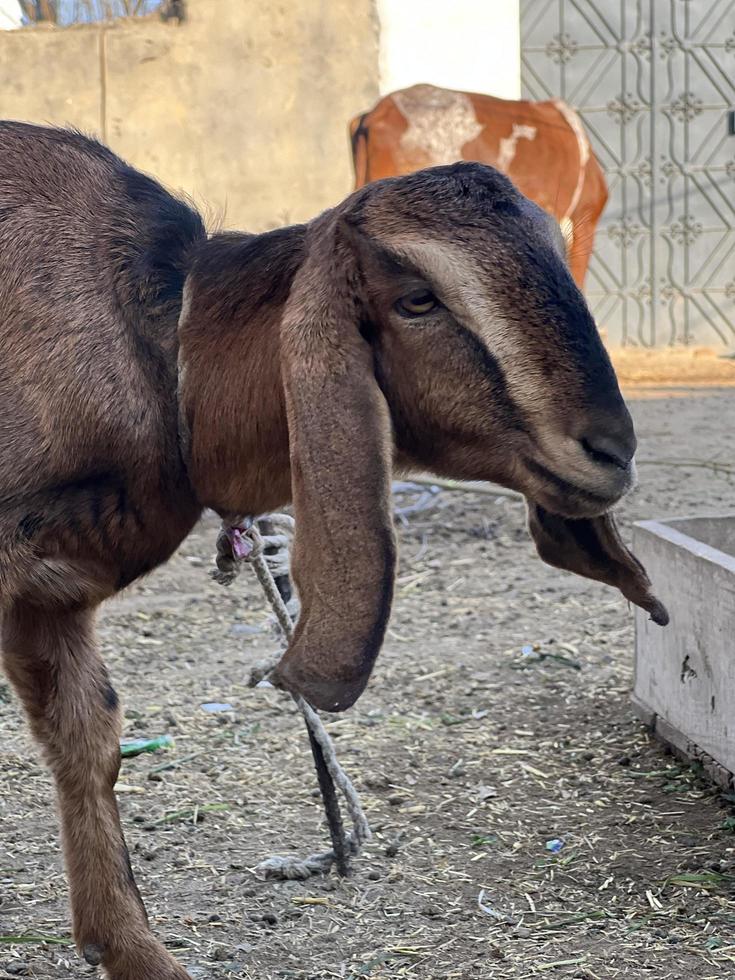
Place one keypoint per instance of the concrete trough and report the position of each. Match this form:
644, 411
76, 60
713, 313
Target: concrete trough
685, 674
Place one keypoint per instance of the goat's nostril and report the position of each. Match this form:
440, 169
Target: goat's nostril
610, 448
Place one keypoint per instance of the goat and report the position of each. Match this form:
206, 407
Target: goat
147, 372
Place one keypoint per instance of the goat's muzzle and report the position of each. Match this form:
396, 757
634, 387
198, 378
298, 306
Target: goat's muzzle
584, 471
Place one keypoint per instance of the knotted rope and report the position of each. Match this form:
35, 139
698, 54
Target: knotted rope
242, 542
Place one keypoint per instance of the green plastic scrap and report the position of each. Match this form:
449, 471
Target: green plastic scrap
134, 746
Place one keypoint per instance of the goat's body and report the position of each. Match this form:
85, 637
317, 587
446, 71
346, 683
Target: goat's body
93, 490
297, 379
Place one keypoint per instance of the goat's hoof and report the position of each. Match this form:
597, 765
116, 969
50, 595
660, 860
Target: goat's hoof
150, 962
93, 954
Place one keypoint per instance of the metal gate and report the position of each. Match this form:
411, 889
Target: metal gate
654, 81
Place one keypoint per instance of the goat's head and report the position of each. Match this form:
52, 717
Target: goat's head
431, 322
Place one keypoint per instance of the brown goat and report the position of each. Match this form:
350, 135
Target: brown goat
147, 372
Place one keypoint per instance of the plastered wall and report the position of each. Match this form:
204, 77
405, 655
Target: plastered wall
244, 106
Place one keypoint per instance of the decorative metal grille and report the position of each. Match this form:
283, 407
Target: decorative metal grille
654, 81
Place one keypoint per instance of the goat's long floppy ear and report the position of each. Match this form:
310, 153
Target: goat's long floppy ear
341, 453
593, 547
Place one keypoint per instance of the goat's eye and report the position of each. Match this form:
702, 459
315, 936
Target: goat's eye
417, 303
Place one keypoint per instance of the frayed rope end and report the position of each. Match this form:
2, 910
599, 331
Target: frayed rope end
296, 869
293, 868
224, 577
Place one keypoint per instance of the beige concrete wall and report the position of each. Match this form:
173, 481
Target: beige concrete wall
244, 106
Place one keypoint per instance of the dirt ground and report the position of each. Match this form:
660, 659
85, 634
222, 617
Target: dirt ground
470, 754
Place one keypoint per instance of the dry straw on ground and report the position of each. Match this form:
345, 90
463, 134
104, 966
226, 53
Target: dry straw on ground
471, 755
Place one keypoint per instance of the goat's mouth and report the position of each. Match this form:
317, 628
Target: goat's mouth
579, 496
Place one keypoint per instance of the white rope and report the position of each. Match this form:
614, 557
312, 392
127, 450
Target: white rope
243, 542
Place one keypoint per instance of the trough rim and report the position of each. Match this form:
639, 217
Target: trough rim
665, 530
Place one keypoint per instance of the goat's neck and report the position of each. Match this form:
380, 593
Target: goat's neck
233, 415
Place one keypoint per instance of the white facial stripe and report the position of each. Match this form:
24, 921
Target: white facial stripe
468, 292
462, 286
447, 267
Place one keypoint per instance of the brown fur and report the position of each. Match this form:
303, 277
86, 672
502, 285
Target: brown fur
291, 376
547, 168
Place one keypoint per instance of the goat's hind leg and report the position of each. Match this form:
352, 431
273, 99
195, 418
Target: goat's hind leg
51, 658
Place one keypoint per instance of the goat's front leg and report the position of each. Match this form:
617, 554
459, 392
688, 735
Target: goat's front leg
52, 660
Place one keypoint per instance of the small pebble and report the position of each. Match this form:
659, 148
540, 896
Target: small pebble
376, 782
197, 972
